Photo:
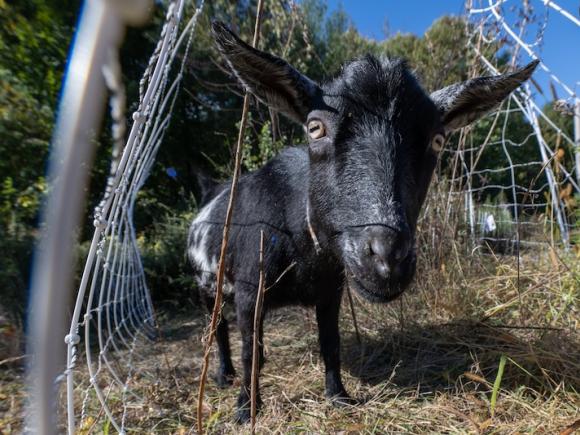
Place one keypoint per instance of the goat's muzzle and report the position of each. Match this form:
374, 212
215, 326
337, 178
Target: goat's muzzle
379, 261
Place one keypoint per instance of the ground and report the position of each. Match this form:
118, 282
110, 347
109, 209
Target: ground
426, 363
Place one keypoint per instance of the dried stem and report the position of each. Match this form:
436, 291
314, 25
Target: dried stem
350, 301
221, 265
284, 272
256, 344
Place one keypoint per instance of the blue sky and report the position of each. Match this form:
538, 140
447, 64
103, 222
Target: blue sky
560, 52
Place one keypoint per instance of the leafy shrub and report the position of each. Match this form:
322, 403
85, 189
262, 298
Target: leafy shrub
265, 148
15, 263
163, 250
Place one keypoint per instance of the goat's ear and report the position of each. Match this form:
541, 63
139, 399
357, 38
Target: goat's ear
462, 103
273, 80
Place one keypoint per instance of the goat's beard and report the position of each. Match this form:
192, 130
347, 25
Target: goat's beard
379, 290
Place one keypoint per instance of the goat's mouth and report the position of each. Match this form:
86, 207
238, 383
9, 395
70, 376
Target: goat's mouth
373, 294
381, 290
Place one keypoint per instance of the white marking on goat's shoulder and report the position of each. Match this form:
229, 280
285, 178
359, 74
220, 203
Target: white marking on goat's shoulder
207, 283
198, 249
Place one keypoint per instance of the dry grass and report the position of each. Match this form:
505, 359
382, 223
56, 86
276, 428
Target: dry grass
427, 362
11, 374
12, 398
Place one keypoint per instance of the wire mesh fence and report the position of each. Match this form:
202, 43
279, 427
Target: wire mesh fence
113, 310
516, 170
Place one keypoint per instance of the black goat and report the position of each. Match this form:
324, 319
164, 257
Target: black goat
343, 207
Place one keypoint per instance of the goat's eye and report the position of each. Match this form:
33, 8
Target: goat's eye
437, 142
316, 129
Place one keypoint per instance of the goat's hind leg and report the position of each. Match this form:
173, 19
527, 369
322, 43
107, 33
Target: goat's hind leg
226, 372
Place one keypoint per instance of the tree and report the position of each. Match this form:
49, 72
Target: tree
34, 36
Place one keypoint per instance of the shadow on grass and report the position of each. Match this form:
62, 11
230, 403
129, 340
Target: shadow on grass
437, 357
179, 332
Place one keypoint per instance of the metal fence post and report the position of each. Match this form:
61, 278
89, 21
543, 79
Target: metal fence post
100, 30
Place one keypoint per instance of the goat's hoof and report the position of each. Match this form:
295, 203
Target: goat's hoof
243, 414
342, 399
224, 380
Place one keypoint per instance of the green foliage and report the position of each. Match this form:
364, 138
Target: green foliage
163, 250
34, 36
265, 148
25, 131
14, 273
440, 57
520, 147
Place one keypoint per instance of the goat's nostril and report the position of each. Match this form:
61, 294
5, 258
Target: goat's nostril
386, 250
379, 250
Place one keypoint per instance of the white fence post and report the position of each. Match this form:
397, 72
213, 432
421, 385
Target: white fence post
100, 30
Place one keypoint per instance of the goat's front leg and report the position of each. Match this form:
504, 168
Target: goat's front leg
327, 317
245, 307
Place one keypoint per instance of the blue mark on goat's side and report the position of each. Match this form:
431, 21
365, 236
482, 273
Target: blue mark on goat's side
273, 239
171, 172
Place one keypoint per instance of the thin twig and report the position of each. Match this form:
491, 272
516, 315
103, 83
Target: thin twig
353, 315
522, 327
229, 213
13, 359
256, 344
284, 272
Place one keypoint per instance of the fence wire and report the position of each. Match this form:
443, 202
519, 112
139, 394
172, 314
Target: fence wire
113, 310
530, 198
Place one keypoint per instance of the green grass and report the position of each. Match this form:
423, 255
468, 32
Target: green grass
497, 384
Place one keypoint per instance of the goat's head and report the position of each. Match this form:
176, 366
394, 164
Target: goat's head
374, 137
